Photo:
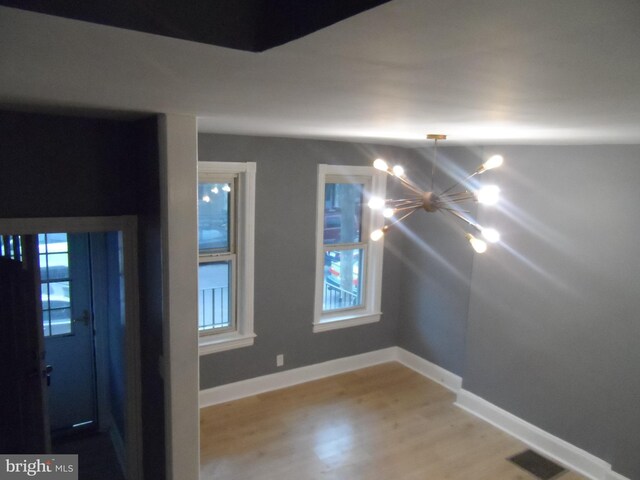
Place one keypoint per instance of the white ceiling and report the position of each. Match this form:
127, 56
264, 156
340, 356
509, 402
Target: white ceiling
481, 71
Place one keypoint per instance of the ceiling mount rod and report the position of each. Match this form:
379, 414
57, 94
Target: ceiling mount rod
435, 137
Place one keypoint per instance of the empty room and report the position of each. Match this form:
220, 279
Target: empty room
354, 240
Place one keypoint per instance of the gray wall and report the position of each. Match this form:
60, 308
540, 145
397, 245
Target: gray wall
66, 166
286, 185
553, 324
544, 325
436, 266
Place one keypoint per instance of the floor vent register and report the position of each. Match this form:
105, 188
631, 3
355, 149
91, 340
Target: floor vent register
537, 465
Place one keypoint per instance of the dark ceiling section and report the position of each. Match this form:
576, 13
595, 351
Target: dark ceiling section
252, 25
287, 20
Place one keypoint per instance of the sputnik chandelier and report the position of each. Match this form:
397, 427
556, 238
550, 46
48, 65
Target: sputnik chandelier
448, 201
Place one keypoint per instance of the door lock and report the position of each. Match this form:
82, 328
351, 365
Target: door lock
84, 318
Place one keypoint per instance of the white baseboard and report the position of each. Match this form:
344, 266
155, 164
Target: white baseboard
553, 447
430, 370
546, 444
615, 476
288, 378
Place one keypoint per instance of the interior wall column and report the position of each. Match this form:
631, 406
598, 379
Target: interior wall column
178, 142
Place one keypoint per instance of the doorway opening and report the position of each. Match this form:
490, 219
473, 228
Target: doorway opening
85, 293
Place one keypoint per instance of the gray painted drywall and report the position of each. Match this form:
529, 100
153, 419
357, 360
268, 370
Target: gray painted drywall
553, 318
286, 184
547, 331
436, 265
66, 166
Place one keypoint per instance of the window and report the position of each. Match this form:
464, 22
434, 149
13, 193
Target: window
348, 263
217, 254
226, 203
55, 284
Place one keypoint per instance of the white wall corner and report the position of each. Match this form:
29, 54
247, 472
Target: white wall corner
178, 152
275, 381
288, 378
430, 370
546, 444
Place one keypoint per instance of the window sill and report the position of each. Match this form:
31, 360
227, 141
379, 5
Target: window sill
226, 341
334, 323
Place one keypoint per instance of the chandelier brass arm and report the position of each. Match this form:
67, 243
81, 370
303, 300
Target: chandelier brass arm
397, 210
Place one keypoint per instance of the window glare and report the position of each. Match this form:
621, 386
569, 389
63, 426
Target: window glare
342, 286
214, 233
342, 213
214, 296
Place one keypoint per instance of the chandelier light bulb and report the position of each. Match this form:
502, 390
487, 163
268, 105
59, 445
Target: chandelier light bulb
490, 234
480, 246
206, 198
226, 188
377, 235
493, 162
488, 195
450, 201
380, 164
215, 190
376, 203
398, 171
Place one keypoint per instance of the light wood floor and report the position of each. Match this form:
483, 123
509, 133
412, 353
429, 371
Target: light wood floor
380, 423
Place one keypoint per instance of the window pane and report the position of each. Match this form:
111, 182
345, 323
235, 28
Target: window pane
55, 294
342, 286
53, 243
54, 256
45, 323
342, 212
44, 292
43, 267
57, 266
214, 216
58, 296
60, 321
214, 296
57, 241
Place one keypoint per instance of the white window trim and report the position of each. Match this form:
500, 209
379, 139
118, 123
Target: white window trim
244, 335
370, 311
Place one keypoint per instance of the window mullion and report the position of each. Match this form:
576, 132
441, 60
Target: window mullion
216, 257
344, 246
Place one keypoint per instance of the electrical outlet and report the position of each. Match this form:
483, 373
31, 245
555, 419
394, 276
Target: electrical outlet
279, 360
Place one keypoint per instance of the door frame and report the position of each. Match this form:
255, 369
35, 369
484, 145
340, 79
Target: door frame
128, 225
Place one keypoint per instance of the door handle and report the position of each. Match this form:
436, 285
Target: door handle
47, 371
84, 318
